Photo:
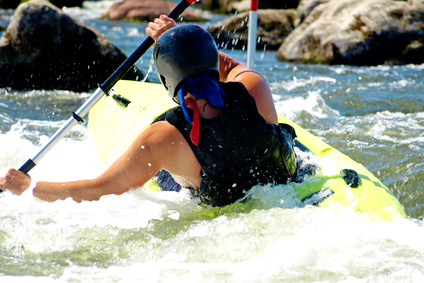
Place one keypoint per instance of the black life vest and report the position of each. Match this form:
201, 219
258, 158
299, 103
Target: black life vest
238, 148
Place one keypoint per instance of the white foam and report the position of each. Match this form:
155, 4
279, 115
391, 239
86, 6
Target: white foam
313, 104
142, 236
296, 83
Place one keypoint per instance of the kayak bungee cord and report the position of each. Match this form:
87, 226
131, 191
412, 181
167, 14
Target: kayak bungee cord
100, 92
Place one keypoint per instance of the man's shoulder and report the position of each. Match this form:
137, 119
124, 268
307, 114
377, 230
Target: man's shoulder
162, 134
169, 147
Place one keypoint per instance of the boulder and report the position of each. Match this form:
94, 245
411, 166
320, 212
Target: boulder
146, 10
220, 6
273, 27
43, 48
305, 7
358, 32
13, 4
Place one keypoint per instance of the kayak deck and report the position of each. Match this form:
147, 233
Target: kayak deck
113, 128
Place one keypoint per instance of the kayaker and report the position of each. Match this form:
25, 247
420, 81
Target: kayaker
221, 139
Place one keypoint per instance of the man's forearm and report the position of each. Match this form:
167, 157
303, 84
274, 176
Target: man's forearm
78, 191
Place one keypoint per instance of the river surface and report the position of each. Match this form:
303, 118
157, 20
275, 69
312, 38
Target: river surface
375, 115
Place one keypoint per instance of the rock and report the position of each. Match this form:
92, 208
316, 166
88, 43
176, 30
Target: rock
305, 8
43, 48
417, 3
358, 32
220, 6
146, 10
273, 27
13, 4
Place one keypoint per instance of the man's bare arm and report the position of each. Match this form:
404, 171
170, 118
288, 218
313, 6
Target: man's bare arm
230, 70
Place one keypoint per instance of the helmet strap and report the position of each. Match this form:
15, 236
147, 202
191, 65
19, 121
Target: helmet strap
195, 125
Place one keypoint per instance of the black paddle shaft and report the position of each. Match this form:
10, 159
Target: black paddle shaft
102, 90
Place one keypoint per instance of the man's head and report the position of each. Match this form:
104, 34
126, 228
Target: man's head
184, 51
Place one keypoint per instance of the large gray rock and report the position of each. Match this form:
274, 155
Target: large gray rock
146, 10
43, 48
273, 27
13, 4
359, 32
306, 7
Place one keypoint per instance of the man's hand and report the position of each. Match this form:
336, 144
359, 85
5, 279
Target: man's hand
15, 181
159, 26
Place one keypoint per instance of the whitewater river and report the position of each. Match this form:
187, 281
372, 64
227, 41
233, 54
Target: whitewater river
375, 115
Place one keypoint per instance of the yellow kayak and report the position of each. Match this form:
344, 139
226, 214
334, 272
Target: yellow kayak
341, 181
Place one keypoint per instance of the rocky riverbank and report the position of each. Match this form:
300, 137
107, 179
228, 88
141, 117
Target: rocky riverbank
351, 32
46, 49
